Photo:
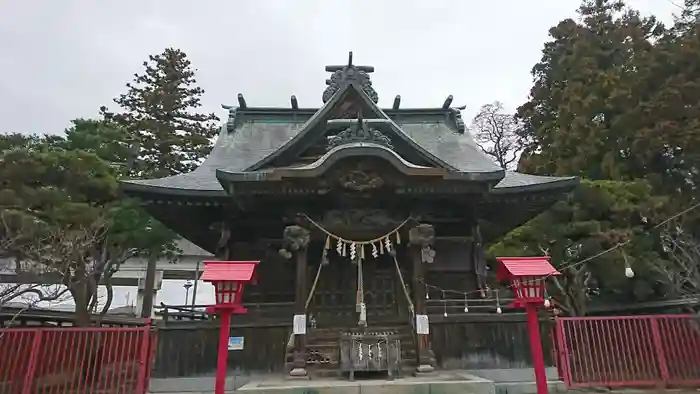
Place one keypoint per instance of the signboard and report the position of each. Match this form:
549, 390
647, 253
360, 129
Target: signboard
422, 325
235, 343
299, 325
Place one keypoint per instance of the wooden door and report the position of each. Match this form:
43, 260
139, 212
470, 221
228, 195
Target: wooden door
334, 300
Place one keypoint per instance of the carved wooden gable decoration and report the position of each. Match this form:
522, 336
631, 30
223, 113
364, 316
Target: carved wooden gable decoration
349, 115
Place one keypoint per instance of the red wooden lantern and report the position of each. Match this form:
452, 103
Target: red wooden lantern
228, 278
527, 277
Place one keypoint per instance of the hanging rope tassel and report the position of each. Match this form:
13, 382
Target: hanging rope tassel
339, 247
387, 244
398, 238
353, 251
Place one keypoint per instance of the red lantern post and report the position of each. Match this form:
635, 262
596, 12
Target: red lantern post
527, 277
228, 278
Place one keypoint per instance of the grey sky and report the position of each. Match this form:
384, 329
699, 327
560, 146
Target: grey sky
63, 59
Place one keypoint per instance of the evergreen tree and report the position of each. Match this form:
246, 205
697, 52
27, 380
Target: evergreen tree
158, 113
666, 118
596, 217
575, 120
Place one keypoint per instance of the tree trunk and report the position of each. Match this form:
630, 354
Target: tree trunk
82, 307
147, 306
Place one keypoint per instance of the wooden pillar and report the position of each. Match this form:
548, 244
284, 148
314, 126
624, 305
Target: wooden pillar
294, 247
223, 246
421, 239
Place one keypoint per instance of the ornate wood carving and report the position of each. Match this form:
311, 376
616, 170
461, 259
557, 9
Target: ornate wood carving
423, 236
360, 132
345, 74
359, 218
363, 175
294, 239
360, 180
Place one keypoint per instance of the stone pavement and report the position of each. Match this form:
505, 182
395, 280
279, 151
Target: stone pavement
509, 381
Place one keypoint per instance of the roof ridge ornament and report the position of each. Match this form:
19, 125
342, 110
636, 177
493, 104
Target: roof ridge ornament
342, 75
358, 131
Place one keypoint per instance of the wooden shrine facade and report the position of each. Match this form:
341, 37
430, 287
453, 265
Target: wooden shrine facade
352, 210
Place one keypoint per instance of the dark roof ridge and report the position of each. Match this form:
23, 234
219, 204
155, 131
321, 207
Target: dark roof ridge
436, 110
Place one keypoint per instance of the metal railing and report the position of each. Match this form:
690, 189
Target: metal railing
75, 360
627, 351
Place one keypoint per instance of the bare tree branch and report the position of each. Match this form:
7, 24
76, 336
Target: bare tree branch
79, 258
495, 134
680, 271
574, 283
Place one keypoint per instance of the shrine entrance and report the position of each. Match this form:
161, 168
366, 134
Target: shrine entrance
334, 302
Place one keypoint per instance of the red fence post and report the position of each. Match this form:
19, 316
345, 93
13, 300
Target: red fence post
31, 368
659, 350
562, 351
144, 360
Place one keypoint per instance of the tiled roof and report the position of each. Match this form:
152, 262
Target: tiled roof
255, 138
251, 141
516, 182
441, 138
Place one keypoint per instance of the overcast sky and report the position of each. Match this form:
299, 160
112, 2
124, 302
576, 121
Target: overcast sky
63, 59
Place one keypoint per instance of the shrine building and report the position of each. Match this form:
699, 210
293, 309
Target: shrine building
355, 211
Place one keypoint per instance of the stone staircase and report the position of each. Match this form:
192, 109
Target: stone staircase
323, 351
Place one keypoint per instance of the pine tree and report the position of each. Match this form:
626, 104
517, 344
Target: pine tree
158, 113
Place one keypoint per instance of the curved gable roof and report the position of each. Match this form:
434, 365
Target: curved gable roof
323, 114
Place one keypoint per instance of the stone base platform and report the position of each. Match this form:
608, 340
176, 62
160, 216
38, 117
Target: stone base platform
449, 382
490, 381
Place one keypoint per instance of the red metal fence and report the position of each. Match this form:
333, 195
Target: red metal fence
661, 350
75, 360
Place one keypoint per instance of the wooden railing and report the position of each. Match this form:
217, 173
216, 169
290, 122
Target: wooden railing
271, 312
486, 340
